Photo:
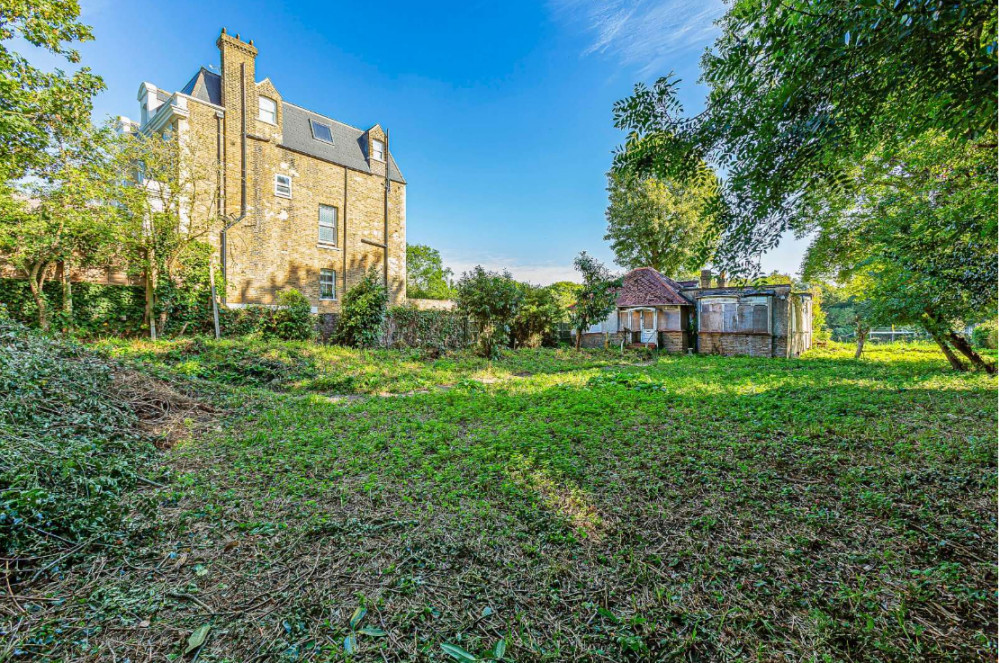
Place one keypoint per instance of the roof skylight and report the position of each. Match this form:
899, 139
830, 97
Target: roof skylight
321, 131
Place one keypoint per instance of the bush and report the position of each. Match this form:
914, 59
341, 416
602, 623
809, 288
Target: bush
535, 323
492, 301
98, 309
409, 327
70, 446
294, 321
362, 313
984, 336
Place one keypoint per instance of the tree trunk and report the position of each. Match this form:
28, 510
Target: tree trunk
67, 295
862, 334
962, 345
150, 292
579, 338
36, 280
939, 338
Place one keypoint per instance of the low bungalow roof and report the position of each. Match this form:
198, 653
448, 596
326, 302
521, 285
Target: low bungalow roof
647, 287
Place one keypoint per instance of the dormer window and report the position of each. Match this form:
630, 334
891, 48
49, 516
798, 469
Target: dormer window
378, 150
267, 110
321, 131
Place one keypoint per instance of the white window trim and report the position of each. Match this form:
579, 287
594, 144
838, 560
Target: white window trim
321, 297
260, 111
336, 227
376, 140
277, 192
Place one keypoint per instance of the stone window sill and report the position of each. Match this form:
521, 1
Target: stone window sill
324, 245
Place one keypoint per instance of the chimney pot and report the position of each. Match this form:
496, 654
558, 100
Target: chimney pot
722, 279
223, 31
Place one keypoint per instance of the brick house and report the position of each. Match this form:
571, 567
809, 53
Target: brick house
309, 202
694, 316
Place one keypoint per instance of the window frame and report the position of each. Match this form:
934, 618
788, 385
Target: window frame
332, 273
277, 186
312, 127
260, 110
320, 225
382, 151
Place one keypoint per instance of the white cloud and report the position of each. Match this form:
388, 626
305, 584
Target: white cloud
539, 274
642, 33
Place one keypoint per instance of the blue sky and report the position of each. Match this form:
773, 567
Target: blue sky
499, 113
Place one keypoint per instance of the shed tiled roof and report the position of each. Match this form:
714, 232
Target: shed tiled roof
647, 287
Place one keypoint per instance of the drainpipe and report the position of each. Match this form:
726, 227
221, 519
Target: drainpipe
385, 217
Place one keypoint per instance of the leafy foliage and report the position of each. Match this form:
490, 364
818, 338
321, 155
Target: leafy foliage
362, 312
293, 320
536, 319
410, 327
70, 447
37, 107
597, 296
919, 233
426, 275
662, 224
799, 90
492, 300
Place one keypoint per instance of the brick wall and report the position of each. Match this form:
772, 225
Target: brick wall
728, 343
276, 245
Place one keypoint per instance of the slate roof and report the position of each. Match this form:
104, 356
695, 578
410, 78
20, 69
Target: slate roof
206, 86
349, 144
647, 287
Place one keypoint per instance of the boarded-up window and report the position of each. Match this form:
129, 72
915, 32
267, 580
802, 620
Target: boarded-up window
623, 320
729, 317
745, 318
647, 319
760, 318
670, 319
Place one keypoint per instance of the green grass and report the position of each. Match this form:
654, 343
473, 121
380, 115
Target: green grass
577, 506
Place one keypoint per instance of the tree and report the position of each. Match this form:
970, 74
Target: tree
62, 216
362, 313
34, 104
168, 204
536, 317
919, 231
426, 275
565, 294
661, 223
597, 295
492, 300
800, 90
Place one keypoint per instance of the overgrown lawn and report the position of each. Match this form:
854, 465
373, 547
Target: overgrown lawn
576, 506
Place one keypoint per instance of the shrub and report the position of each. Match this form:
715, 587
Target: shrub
409, 327
984, 336
535, 322
294, 321
70, 446
492, 301
362, 313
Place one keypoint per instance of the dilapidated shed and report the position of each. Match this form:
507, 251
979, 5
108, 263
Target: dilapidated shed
697, 316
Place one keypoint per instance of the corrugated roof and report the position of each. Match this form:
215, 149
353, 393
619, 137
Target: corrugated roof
647, 287
349, 143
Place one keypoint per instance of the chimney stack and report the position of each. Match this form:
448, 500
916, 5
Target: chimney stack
706, 278
722, 279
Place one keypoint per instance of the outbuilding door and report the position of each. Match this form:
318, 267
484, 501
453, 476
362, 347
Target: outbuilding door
647, 328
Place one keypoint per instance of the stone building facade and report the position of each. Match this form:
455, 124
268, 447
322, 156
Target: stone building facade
300, 200
707, 318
